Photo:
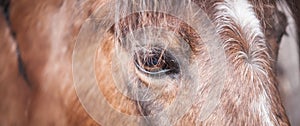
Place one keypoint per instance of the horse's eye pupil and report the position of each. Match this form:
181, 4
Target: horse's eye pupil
152, 61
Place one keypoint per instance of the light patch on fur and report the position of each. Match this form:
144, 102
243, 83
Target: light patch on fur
239, 15
262, 107
241, 11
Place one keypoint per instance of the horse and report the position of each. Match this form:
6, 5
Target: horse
191, 62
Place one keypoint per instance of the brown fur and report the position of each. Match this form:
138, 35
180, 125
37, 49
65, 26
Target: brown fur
46, 31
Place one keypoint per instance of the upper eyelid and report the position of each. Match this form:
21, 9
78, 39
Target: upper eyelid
282, 22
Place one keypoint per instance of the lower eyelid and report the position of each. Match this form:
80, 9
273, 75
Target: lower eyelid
151, 73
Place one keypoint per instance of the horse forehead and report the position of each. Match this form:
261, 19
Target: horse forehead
263, 9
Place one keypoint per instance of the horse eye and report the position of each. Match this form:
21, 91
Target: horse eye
154, 61
281, 26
